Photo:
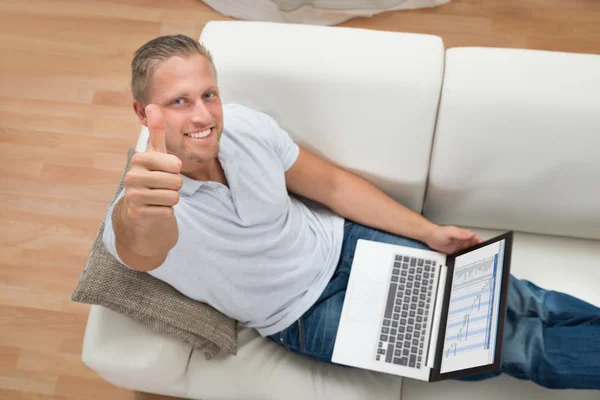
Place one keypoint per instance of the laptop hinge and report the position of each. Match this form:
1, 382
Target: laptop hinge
437, 316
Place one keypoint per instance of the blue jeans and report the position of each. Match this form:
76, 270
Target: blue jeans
550, 338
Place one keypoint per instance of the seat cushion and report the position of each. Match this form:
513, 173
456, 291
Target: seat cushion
565, 264
263, 370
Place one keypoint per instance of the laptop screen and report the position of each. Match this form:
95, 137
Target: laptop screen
473, 311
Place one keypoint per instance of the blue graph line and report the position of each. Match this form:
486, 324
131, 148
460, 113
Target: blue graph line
499, 283
492, 290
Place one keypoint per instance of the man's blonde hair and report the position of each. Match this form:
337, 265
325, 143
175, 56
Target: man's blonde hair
154, 52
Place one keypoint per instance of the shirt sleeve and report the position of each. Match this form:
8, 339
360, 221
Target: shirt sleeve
277, 138
287, 150
108, 236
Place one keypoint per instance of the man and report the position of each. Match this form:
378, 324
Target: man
227, 209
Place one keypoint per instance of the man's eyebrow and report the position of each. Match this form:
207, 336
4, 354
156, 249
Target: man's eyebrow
188, 94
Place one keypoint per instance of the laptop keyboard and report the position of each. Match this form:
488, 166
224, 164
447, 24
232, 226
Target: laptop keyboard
406, 316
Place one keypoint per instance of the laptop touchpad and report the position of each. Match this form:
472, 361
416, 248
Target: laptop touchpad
365, 301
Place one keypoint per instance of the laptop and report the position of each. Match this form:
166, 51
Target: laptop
425, 315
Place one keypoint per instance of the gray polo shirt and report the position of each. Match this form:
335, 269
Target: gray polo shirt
252, 251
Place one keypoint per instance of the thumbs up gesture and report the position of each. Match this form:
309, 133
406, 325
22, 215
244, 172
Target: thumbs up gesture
156, 126
153, 181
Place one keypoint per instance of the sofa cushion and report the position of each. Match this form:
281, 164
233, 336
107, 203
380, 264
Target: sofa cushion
363, 99
138, 295
263, 370
517, 142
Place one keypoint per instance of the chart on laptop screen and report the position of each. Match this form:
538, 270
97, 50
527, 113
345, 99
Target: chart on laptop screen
470, 338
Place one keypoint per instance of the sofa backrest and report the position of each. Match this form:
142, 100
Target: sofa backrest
517, 143
363, 99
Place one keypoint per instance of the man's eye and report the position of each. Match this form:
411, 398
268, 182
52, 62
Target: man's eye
209, 95
178, 101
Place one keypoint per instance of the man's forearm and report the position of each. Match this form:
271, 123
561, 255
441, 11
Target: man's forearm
358, 200
143, 247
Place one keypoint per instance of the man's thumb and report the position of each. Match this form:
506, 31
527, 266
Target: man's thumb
156, 127
466, 235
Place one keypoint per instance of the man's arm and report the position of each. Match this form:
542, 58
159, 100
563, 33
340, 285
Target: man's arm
142, 248
353, 197
358, 200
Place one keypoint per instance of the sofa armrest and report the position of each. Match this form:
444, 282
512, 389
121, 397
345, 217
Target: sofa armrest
130, 355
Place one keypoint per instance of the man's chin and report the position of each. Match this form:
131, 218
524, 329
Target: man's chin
201, 158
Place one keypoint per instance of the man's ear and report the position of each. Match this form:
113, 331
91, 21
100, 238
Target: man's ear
140, 111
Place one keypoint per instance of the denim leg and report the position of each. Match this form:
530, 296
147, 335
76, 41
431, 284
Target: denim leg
550, 338
553, 308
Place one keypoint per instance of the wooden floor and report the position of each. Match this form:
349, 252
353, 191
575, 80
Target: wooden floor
66, 123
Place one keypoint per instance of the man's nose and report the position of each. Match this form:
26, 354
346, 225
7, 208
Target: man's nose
201, 115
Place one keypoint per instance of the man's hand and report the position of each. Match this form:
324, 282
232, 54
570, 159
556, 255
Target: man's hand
144, 219
153, 181
450, 239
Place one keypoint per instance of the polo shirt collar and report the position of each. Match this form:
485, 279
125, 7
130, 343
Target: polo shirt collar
190, 186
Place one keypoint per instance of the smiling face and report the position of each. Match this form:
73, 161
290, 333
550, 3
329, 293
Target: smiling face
185, 89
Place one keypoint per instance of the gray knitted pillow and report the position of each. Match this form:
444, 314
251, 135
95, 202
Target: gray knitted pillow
106, 282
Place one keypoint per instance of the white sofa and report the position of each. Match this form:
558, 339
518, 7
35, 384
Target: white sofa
490, 139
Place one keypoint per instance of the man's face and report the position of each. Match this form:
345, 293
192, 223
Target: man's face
186, 91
